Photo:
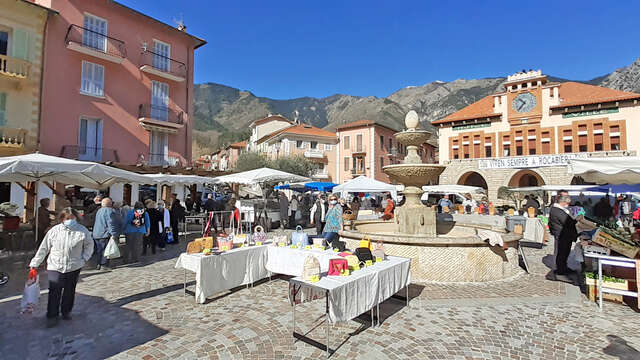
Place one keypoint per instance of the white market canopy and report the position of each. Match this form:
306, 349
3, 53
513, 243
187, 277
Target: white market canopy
611, 170
39, 167
461, 189
553, 188
180, 179
363, 184
260, 176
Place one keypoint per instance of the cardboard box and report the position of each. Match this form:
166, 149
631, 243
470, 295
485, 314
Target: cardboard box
592, 290
619, 246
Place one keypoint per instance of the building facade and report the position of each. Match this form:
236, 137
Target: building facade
119, 85
266, 126
526, 135
365, 147
22, 25
313, 143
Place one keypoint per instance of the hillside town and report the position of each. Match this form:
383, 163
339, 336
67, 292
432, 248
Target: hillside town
141, 221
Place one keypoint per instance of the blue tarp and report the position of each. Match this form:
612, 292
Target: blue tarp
312, 186
618, 189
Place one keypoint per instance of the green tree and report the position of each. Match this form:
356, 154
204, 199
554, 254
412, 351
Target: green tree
250, 161
296, 164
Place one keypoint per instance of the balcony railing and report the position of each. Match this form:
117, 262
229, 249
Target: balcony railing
12, 137
96, 44
163, 66
160, 113
88, 153
357, 171
14, 67
314, 153
162, 160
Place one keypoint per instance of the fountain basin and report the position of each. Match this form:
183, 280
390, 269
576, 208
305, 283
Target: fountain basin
454, 254
413, 174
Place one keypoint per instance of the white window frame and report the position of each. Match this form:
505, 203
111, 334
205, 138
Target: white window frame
158, 158
94, 36
83, 149
9, 38
92, 82
302, 144
159, 59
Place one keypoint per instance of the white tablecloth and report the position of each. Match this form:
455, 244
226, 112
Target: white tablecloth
533, 231
350, 296
288, 261
216, 273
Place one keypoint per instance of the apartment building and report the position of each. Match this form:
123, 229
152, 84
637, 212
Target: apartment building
313, 143
526, 134
22, 25
117, 85
365, 147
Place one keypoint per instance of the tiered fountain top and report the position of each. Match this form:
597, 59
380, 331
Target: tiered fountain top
412, 171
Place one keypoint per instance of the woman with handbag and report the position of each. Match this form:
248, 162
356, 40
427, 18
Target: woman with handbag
136, 226
69, 245
334, 223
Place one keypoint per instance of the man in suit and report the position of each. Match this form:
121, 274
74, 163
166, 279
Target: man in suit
563, 228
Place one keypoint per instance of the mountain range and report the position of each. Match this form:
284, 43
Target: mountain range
221, 109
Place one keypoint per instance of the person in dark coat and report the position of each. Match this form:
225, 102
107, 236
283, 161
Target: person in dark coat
155, 224
177, 215
563, 228
284, 210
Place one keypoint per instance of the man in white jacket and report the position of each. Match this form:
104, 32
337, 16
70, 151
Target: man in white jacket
69, 245
318, 212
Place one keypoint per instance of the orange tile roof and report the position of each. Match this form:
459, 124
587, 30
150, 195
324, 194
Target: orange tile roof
270, 118
300, 129
480, 109
573, 93
239, 144
361, 123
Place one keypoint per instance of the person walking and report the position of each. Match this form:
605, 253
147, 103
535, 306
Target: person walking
136, 226
318, 213
177, 215
293, 208
69, 245
334, 223
165, 225
44, 219
105, 228
284, 210
563, 228
155, 227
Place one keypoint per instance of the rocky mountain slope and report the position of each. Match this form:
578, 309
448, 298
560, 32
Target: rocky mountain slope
220, 108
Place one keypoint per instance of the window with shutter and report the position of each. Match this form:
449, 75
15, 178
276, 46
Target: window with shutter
4, 43
92, 79
20, 44
94, 34
159, 100
162, 53
3, 109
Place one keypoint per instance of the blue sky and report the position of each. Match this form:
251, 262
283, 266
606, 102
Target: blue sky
284, 49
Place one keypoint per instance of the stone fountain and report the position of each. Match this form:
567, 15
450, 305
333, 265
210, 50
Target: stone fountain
413, 217
443, 247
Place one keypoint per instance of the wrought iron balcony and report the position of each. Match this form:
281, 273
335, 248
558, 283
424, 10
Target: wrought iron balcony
95, 44
13, 67
162, 66
160, 118
162, 160
87, 153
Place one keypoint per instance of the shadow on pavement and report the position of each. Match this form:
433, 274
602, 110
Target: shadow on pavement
619, 348
98, 330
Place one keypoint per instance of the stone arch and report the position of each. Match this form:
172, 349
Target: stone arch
473, 178
525, 178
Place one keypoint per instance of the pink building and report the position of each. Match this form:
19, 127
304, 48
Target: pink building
117, 86
365, 147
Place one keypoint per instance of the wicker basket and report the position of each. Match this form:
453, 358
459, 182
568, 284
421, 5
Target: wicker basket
349, 215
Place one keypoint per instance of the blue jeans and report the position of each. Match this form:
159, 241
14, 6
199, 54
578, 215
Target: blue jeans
101, 244
331, 238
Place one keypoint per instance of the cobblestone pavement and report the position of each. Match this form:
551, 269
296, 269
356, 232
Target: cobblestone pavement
141, 312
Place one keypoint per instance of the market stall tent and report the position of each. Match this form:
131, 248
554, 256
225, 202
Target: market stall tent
363, 184
260, 176
462, 189
607, 170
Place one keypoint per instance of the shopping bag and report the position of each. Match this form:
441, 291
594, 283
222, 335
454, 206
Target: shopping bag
111, 251
169, 236
299, 237
31, 294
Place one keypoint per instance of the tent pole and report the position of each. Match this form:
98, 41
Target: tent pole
35, 200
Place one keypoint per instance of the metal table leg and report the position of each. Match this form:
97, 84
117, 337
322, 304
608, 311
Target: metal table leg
185, 283
600, 284
293, 313
327, 320
407, 287
378, 311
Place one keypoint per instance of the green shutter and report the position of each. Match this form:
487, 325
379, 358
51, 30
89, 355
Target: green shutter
20, 44
3, 109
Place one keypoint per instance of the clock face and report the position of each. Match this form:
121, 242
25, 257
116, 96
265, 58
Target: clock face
524, 102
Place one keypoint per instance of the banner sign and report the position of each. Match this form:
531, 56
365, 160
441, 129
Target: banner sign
470, 126
590, 113
524, 162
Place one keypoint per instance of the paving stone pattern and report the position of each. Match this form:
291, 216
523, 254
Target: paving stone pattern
141, 312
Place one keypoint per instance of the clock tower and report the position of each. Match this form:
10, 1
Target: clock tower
524, 97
